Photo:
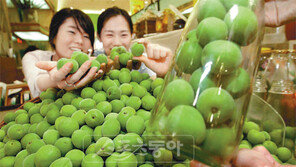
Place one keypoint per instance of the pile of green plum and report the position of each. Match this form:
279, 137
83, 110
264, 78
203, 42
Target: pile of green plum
278, 141
102, 124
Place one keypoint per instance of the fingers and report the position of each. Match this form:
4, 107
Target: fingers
194, 163
129, 64
79, 73
89, 77
145, 42
116, 62
46, 65
266, 153
58, 75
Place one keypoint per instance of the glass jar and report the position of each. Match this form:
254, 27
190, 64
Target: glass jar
205, 95
281, 94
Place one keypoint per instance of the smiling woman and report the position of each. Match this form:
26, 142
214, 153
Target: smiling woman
70, 30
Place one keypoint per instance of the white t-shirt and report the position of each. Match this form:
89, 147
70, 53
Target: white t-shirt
32, 72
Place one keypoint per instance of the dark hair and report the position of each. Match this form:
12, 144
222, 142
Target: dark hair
81, 18
110, 12
30, 48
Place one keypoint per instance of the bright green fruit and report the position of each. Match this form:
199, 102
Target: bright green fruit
51, 136
230, 3
126, 89
61, 62
9, 117
81, 139
127, 159
34, 145
178, 92
80, 57
105, 107
33, 110
111, 128
20, 111
22, 119
255, 137
124, 58
224, 56
198, 85
2, 134
113, 93
289, 143
118, 143
16, 132
87, 104
270, 146
187, 124
89, 130
117, 105
64, 162
67, 127
134, 84
98, 85
97, 133
117, 82
276, 159
137, 49
114, 74
124, 98
42, 127
33, 128
249, 125
46, 155
191, 35
107, 84
64, 144
145, 76
290, 132
266, 135
148, 102
283, 154
94, 117
29, 160
244, 146
124, 77
238, 83
12, 147
210, 8
28, 105
269, 125
163, 156
104, 147
276, 136
19, 158
92, 160
134, 102
140, 158
136, 76
68, 97
144, 114
59, 103
132, 142
99, 97
111, 116
222, 147
79, 116
111, 161
216, 105
211, 29
7, 161
113, 55
88, 92
52, 115
6, 127
139, 91
2, 153
75, 156
58, 121
189, 57
91, 149
135, 124
242, 25
291, 161
102, 58
28, 138
36, 118
156, 91
121, 49
146, 84
125, 69
47, 107
95, 63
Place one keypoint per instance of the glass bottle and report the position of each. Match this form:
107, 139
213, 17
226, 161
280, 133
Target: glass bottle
281, 95
205, 95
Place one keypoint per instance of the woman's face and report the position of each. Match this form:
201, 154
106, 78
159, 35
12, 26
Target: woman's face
115, 32
71, 38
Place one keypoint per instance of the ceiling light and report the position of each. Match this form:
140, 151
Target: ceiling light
93, 11
31, 35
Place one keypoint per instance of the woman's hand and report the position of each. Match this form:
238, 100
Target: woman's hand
279, 12
158, 57
72, 81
